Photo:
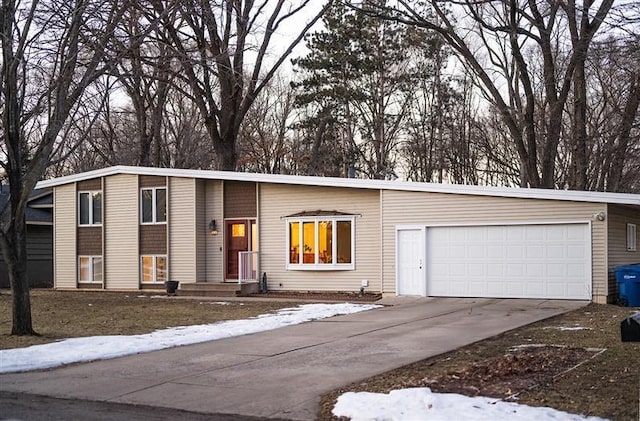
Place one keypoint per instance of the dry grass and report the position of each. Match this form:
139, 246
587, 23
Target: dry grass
606, 384
64, 314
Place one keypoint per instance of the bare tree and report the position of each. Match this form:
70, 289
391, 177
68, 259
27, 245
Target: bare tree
217, 45
492, 37
52, 50
144, 71
263, 138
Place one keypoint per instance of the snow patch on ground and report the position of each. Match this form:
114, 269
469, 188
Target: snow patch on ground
423, 404
567, 328
94, 348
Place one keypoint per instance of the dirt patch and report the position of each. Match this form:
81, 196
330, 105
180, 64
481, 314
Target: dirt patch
321, 296
508, 375
589, 370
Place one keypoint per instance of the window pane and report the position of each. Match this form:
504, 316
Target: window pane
84, 269
161, 205
294, 242
161, 269
309, 241
84, 208
147, 205
325, 241
238, 230
97, 207
344, 241
97, 269
147, 269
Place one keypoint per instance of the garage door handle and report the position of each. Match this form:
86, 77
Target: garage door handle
420, 264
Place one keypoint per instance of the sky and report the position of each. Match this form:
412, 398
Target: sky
403, 404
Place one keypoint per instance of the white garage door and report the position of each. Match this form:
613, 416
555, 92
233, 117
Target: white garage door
510, 261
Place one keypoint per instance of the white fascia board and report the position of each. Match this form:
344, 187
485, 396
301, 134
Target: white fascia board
513, 192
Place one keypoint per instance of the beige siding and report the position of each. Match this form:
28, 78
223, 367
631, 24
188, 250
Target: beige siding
277, 201
121, 232
214, 210
450, 209
182, 229
64, 228
617, 219
201, 231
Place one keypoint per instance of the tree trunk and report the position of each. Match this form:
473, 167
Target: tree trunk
19, 281
579, 159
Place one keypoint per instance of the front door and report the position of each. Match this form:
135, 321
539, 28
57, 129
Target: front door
410, 262
240, 236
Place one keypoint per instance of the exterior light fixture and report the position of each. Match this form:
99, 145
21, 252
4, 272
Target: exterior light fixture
601, 216
213, 228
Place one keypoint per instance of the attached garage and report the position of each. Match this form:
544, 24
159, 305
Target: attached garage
499, 261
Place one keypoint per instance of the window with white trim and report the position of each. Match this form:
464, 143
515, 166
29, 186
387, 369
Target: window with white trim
153, 269
89, 208
632, 239
89, 268
320, 243
153, 205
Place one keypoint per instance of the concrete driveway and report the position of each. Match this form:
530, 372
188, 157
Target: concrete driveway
282, 373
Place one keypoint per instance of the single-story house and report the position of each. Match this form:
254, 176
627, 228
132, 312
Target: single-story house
129, 228
39, 219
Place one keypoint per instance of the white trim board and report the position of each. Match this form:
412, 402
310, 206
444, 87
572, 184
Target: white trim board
527, 193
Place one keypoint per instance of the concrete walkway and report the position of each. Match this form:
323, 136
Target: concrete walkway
282, 373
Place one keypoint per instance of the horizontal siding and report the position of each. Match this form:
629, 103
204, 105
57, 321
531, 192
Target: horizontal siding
182, 236
153, 239
202, 231
39, 242
452, 209
214, 210
121, 232
92, 184
65, 236
239, 200
617, 220
152, 181
277, 201
89, 241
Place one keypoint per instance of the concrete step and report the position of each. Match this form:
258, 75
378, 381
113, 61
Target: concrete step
218, 289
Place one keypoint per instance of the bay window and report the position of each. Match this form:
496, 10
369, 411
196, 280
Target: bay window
320, 243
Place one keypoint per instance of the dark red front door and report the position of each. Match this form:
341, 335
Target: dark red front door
237, 239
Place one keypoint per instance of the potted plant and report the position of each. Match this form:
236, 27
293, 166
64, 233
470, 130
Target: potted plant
171, 286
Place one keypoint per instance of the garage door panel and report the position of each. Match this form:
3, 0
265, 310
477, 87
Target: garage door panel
511, 261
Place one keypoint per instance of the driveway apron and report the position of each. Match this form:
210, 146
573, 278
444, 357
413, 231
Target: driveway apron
282, 373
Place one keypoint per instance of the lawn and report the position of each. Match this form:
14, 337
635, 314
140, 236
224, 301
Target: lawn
65, 314
587, 370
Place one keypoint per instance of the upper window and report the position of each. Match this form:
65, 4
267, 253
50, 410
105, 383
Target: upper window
632, 239
320, 243
153, 205
90, 208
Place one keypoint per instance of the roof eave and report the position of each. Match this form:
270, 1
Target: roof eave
565, 195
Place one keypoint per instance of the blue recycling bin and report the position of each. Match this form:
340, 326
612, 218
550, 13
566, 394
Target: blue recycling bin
628, 278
